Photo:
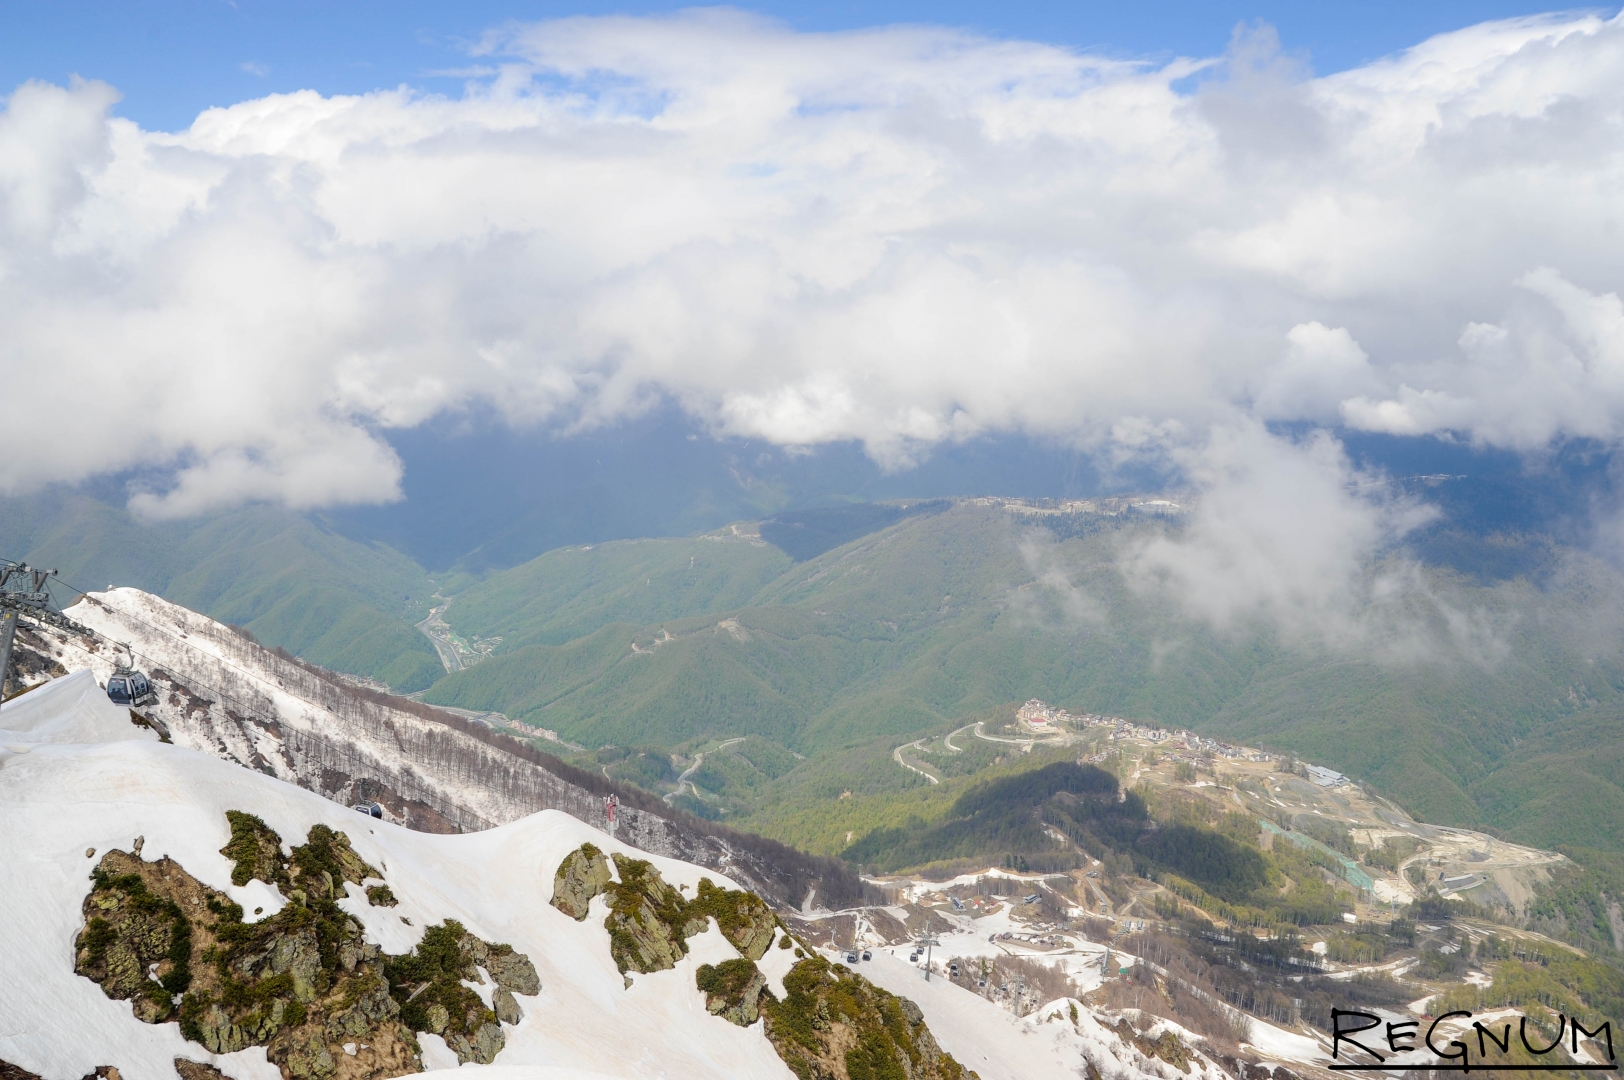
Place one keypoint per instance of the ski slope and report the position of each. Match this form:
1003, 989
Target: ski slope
1001, 1046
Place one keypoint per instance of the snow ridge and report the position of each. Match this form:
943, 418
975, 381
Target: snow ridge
223, 694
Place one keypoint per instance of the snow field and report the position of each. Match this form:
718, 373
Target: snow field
61, 798
1001, 1046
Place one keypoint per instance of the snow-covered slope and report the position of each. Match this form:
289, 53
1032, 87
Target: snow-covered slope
223, 694
77, 779
62, 799
74, 710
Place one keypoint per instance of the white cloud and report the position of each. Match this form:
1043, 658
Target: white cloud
1281, 531
1320, 370
1554, 369
899, 236
1288, 535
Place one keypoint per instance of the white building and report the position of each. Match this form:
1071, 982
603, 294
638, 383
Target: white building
1326, 777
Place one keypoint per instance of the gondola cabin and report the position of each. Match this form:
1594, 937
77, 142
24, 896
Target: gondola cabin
129, 688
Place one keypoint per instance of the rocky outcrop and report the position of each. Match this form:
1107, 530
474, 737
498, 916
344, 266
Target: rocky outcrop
303, 983
429, 986
1165, 1046
512, 972
583, 874
732, 990
138, 941
188, 1069
8, 1071
649, 922
744, 918
836, 1025
324, 862
299, 983
831, 1025
255, 851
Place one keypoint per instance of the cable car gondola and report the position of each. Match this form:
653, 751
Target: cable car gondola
128, 686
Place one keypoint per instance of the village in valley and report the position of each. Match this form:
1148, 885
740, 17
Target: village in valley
1024, 940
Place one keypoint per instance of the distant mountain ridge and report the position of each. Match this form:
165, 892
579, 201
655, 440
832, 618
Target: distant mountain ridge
289, 578
928, 619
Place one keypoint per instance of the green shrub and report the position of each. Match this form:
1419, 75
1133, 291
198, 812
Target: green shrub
727, 979
99, 934
255, 849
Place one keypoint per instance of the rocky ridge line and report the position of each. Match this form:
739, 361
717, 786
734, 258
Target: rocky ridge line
833, 1024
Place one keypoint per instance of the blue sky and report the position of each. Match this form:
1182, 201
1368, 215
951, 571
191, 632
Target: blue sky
170, 60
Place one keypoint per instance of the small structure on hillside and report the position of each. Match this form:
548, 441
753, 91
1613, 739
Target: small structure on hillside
1326, 777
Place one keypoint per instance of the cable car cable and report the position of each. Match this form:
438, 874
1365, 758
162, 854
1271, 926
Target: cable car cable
156, 663
422, 794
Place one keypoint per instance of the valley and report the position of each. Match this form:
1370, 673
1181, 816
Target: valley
662, 647
940, 615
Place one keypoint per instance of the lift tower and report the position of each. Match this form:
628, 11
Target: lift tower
23, 592
22, 588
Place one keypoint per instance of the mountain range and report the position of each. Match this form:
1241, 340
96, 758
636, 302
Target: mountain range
869, 624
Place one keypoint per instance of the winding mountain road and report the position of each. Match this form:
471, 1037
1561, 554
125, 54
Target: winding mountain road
916, 766
699, 759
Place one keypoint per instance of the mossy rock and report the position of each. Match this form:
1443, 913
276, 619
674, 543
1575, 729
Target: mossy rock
583, 874
300, 983
511, 971
325, 861
648, 920
1165, 1046
255, 851
834, 1023
744, 918
428, 985
732, 990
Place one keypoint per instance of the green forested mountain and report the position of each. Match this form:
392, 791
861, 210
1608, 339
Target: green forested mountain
339, 603
1486, 693
571, 592
1475, 699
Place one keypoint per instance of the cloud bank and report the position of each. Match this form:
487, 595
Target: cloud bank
898, 236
